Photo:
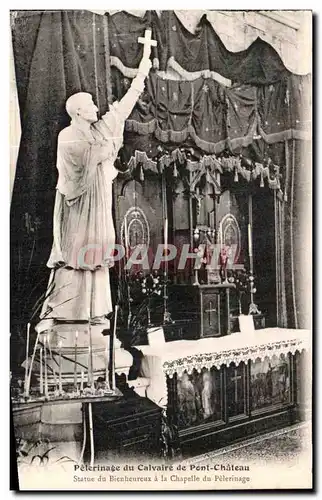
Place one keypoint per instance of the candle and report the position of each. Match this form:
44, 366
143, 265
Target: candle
250, 248
82, 382
45, 361
27, 360
166, 233
113, 351
75, 365
89, 379
166, 246
41, 373
250, 244
91, 375
106, 364
60, 360
126, 240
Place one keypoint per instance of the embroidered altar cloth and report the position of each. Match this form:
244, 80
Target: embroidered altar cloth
186, 355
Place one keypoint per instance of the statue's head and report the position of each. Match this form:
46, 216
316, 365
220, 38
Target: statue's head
81, 106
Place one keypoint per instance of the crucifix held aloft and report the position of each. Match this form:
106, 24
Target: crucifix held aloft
147, 43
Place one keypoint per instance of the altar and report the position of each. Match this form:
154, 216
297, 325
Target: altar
217, 390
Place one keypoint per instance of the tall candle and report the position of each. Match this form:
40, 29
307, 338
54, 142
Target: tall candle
91, 357
89, 371
41, 373
250, 244
126, 240
166, 233
166, 244
107, 384
27, 360
250, 248
60, 360
75, 360
113, 351
45, 361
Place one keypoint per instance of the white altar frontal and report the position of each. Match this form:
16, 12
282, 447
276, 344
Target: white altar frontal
216, 387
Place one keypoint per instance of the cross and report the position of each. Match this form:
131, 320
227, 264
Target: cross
235, 379
210, 310
147, 43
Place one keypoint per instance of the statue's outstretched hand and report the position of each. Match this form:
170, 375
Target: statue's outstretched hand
145, 66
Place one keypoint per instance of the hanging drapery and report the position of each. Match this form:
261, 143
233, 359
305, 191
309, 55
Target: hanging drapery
211, 118
191, 55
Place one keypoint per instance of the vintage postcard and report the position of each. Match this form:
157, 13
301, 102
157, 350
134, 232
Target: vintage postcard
161, 198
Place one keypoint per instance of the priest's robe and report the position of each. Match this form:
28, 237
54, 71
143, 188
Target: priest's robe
79, 283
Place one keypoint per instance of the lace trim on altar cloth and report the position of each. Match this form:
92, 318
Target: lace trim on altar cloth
237, 356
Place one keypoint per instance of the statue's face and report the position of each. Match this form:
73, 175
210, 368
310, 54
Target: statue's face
88, 111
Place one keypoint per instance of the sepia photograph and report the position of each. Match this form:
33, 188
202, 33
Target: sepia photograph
160, 250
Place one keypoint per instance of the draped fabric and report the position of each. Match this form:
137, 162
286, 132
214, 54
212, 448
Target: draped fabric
212, 117
191, 53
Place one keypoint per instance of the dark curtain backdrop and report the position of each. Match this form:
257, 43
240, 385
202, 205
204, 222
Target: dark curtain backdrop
56, 54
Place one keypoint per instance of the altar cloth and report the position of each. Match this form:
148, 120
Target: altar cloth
182, 356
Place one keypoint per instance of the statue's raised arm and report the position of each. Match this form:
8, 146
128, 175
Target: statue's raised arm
124, 107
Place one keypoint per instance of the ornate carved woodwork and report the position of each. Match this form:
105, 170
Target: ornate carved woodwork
214, 407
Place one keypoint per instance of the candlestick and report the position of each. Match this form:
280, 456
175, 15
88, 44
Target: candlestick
27, 361
45, 361
41, 373
82, 382
60, 359
75, 365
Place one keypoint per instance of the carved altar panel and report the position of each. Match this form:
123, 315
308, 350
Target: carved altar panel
270, 382
236, 390
199, 397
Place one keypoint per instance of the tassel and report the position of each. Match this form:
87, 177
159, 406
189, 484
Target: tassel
262, 180
236, 175
175, 172
141, 174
